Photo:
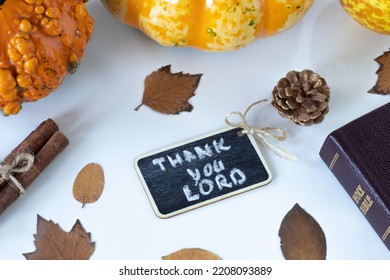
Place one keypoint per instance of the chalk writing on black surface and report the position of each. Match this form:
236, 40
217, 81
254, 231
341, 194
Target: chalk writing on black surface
201, 171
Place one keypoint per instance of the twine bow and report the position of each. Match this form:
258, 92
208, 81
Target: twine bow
262, 133
21, 164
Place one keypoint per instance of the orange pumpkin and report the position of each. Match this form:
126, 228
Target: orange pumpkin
214, 25
372, 14
40, 42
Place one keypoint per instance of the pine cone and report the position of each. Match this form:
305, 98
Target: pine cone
302, 97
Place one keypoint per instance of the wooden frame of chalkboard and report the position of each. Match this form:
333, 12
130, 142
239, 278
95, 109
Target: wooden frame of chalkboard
202, 170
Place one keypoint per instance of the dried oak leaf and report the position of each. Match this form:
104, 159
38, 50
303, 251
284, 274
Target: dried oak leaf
301, 237
382, 85
53, 243
89, 184
167, 92
191, 254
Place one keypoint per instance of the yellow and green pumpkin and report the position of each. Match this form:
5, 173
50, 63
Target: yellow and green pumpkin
372, 14
212, 25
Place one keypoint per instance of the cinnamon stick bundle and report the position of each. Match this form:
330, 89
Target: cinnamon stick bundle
44, 143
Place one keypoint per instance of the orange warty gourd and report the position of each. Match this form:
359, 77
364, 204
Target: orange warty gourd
212, 25
372, 14
40, 42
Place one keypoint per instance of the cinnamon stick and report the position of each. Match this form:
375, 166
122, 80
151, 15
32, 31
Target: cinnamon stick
34, 141
46, 154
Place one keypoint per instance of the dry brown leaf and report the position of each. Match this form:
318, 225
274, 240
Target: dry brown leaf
53, 243
301, 237
191, 254
167, 92
382, 85
89, 184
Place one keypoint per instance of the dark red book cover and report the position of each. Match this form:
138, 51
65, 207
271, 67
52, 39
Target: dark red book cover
358, 154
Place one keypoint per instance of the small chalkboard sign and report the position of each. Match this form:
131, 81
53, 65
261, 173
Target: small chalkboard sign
203, 170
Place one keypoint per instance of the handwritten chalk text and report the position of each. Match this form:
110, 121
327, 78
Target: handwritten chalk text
206, 185
198, 153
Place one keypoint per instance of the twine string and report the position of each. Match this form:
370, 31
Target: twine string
21, 164
262, 134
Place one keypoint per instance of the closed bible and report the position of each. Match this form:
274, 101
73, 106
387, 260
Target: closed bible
358, 155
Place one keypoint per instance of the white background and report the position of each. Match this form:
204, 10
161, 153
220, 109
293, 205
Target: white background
95, 109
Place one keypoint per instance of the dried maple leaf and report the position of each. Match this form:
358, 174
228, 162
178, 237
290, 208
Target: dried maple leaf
89, 184
301, 237
53, 243
382, 85
168, 92
191, 254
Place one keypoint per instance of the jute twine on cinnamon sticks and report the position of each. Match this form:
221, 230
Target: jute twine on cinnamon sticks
19, 170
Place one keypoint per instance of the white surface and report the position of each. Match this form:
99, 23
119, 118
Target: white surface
95, 109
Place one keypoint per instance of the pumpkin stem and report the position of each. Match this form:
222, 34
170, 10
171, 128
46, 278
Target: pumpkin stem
72, 66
